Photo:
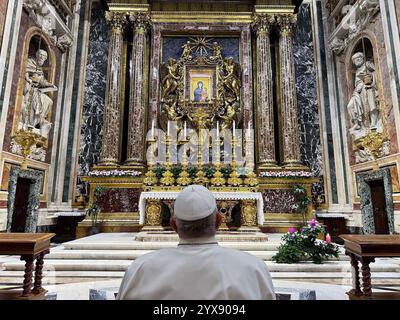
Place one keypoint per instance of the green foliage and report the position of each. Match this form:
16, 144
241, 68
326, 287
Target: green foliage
303, 246
192, 172
159, 171
93, 212
209, 172
94, 209
226, 171
302, 201
176, 172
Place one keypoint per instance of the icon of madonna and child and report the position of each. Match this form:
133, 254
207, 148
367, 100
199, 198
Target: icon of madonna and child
200, 93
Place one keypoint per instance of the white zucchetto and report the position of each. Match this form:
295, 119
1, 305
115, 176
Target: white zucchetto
194, 203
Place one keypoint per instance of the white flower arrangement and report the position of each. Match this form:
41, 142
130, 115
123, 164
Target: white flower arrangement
114, 173
286, 174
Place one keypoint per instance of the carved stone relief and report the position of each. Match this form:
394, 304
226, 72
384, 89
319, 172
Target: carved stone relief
358, 16
41, 13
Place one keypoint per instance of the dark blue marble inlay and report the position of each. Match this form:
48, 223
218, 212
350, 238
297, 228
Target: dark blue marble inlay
307, 99
94, 99
172, 47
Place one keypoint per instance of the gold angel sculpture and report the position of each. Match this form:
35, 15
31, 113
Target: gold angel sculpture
171, 78
231, 78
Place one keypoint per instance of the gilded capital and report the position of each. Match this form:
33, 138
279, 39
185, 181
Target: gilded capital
262, 23
141, 21
286, 23
117, 20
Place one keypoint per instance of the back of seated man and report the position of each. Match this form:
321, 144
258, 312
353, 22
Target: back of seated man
198, 269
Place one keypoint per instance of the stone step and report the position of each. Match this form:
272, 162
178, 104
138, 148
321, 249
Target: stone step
121, 265
137, 245
50, 274
133, 254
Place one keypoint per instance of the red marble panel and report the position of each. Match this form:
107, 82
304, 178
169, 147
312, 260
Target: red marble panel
119, 200
3, 204
279, 201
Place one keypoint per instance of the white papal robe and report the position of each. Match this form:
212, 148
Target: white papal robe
197, 270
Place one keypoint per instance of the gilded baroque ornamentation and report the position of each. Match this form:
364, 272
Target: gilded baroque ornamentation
140, 21
153, 212
26, 139
286, 23
117, 20
249, 213
224, 104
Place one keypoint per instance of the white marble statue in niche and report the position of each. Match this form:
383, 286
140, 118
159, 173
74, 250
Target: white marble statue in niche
36, 103
363, 107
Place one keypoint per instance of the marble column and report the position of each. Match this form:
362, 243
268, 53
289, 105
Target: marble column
289, 118
265, 114
112, 111
137, 96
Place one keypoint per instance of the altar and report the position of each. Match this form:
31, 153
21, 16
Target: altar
250, 203
199, 109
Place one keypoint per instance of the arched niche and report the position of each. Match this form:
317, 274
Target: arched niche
365, 105
364, 46
41, 76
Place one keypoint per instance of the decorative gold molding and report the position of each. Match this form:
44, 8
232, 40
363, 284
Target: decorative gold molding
124, 7
276, 9
201, 16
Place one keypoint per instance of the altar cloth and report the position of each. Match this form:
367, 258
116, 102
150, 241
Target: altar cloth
219, 195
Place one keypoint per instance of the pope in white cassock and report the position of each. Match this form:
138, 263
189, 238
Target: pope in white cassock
198, 269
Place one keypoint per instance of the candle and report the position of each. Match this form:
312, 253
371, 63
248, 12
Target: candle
217, 129
168, 129
152, 129
184, 131
328, 238
248, 130
234, 129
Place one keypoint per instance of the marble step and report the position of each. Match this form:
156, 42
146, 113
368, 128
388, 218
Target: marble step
137, 245
50, 274
121, 265
133, 254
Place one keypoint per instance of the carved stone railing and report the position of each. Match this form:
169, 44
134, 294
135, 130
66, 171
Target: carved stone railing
64, 8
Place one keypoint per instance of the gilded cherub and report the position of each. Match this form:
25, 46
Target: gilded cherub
229, 116
187, 50
217, 55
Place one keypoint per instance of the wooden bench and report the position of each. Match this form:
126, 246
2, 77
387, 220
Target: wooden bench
364, 249
29, 246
